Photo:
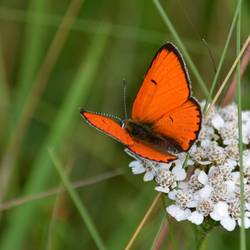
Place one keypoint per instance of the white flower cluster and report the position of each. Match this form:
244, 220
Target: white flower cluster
209, 186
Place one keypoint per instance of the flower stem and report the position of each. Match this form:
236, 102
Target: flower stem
202, 239
201, 233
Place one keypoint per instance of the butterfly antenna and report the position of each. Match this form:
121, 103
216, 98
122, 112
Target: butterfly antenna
125, 98
210, 53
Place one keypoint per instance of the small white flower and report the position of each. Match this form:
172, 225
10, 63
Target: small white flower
149, 175
246, 158
179, 173
205, 207
218, 122
178, 213
202, 177
231, 187
246, 222
172, 195
246, 127
137, 167
220, 211
205, 192
166, 180
196, 218
228, 223
230, 164
162, 189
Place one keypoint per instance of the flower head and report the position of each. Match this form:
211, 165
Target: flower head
210, 188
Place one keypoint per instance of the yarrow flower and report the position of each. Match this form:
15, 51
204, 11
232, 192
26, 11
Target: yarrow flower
209, 186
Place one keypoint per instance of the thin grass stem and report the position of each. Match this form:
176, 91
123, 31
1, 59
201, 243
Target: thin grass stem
229, 96
56, 206
228, 76
242, 198
78, 203
161, 234
143, 221
223, 55
54, 191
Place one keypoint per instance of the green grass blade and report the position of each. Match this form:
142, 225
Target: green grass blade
78, 203
222, 58
32, 52
182, 47
4, 95
242, 199
21, 219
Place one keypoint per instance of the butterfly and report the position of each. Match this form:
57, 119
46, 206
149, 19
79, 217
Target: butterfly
165, 118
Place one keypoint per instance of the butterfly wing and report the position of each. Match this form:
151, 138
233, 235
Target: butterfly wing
183, 124
149, 153
164, 99
110, 127
165, 87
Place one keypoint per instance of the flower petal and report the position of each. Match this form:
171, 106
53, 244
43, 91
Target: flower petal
203, 178
218, 122
221, 208
149, 176
172, 194
179, 173
162, 189
228, 223
178, 213
137, 167
205, 192
196, 218
246, 222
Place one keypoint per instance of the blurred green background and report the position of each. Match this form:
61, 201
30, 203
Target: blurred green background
57, 56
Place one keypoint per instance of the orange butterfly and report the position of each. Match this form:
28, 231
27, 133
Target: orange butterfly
165, 118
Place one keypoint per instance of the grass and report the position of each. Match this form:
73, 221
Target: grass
21, 219
107, 41
77, 201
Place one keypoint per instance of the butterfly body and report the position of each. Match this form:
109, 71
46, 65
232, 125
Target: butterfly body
165, 118
144, 133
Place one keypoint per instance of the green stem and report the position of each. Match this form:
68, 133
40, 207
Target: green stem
202, 239
201, 233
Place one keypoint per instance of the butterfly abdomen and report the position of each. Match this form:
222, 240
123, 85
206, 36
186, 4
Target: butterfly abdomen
145, 134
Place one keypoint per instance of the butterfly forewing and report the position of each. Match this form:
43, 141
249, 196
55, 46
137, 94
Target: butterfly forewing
165, 87
108, 126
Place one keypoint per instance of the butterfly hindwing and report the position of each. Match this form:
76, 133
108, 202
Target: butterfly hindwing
165, 86
150, 153
182, 124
